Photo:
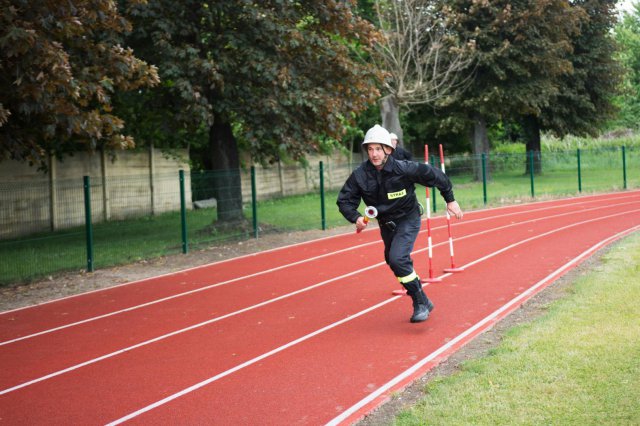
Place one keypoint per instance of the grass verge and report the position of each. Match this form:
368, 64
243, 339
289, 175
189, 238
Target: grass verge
577, 364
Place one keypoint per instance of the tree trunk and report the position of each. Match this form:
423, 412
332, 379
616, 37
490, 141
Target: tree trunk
390, 114
480, 146
531, 128
225, 161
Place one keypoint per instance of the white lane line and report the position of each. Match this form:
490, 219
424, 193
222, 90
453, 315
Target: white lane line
194, 268
500, 216
484, 323
267, 302
502, 250
175, 296
248, 363
183, 330
315, 333
553, 231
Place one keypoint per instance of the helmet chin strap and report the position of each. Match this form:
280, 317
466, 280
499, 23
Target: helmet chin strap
386, 156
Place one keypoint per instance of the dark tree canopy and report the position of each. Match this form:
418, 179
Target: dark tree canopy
281, 73
543, 65
60, 64
275, 75
523, 47
584, 101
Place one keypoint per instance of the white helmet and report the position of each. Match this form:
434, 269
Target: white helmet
393, 136
378, 134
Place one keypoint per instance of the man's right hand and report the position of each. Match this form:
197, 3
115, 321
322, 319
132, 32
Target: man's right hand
361, 224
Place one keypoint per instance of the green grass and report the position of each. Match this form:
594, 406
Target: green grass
40, 256
552, 144
578, 364
115, 243
300, 212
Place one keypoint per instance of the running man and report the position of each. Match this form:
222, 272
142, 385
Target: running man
389, 185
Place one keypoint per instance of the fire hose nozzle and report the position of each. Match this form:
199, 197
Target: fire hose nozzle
369, 213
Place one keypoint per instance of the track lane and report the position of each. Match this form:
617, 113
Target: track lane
23, 323
121, 298
373, 350
384, 283
110, 337
502, 231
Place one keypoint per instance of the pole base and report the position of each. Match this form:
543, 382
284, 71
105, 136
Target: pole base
400, 292
453, 269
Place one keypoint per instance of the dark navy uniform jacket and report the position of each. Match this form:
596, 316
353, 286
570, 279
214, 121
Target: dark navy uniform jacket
399, 153
390, 190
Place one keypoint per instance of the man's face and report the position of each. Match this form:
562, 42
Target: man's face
377, 154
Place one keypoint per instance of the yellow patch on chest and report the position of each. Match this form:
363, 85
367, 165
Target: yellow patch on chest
399, 194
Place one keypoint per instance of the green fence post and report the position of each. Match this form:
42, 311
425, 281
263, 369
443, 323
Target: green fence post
579, 173
88, 222
183, 214
624, 167
322, 208
533, 192
484, 178
254, 202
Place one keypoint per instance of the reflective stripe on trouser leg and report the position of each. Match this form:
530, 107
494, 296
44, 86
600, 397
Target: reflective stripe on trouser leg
407, 279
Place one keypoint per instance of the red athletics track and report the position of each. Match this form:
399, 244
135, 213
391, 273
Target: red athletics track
306, 334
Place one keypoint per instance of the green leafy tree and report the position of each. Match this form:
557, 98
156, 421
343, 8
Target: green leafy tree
272, 74
523, 49
627, 34
584, 103
60, 65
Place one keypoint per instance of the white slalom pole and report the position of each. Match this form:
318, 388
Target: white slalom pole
453, 265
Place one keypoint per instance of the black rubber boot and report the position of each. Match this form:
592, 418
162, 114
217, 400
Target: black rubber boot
421, 303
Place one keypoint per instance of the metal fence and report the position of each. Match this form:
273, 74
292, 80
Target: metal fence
47, 228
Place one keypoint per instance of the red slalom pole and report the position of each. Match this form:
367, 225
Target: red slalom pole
431, 278
453, 265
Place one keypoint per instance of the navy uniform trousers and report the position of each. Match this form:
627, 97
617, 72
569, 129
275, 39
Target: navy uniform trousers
398, 245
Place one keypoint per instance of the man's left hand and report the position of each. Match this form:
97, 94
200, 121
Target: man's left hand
454, 209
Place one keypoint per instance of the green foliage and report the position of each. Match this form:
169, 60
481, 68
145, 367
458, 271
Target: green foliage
60, 65
522, 48
280, 73
627, 34
553, 144
426, 125
547, 64
583, 103
278, 78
